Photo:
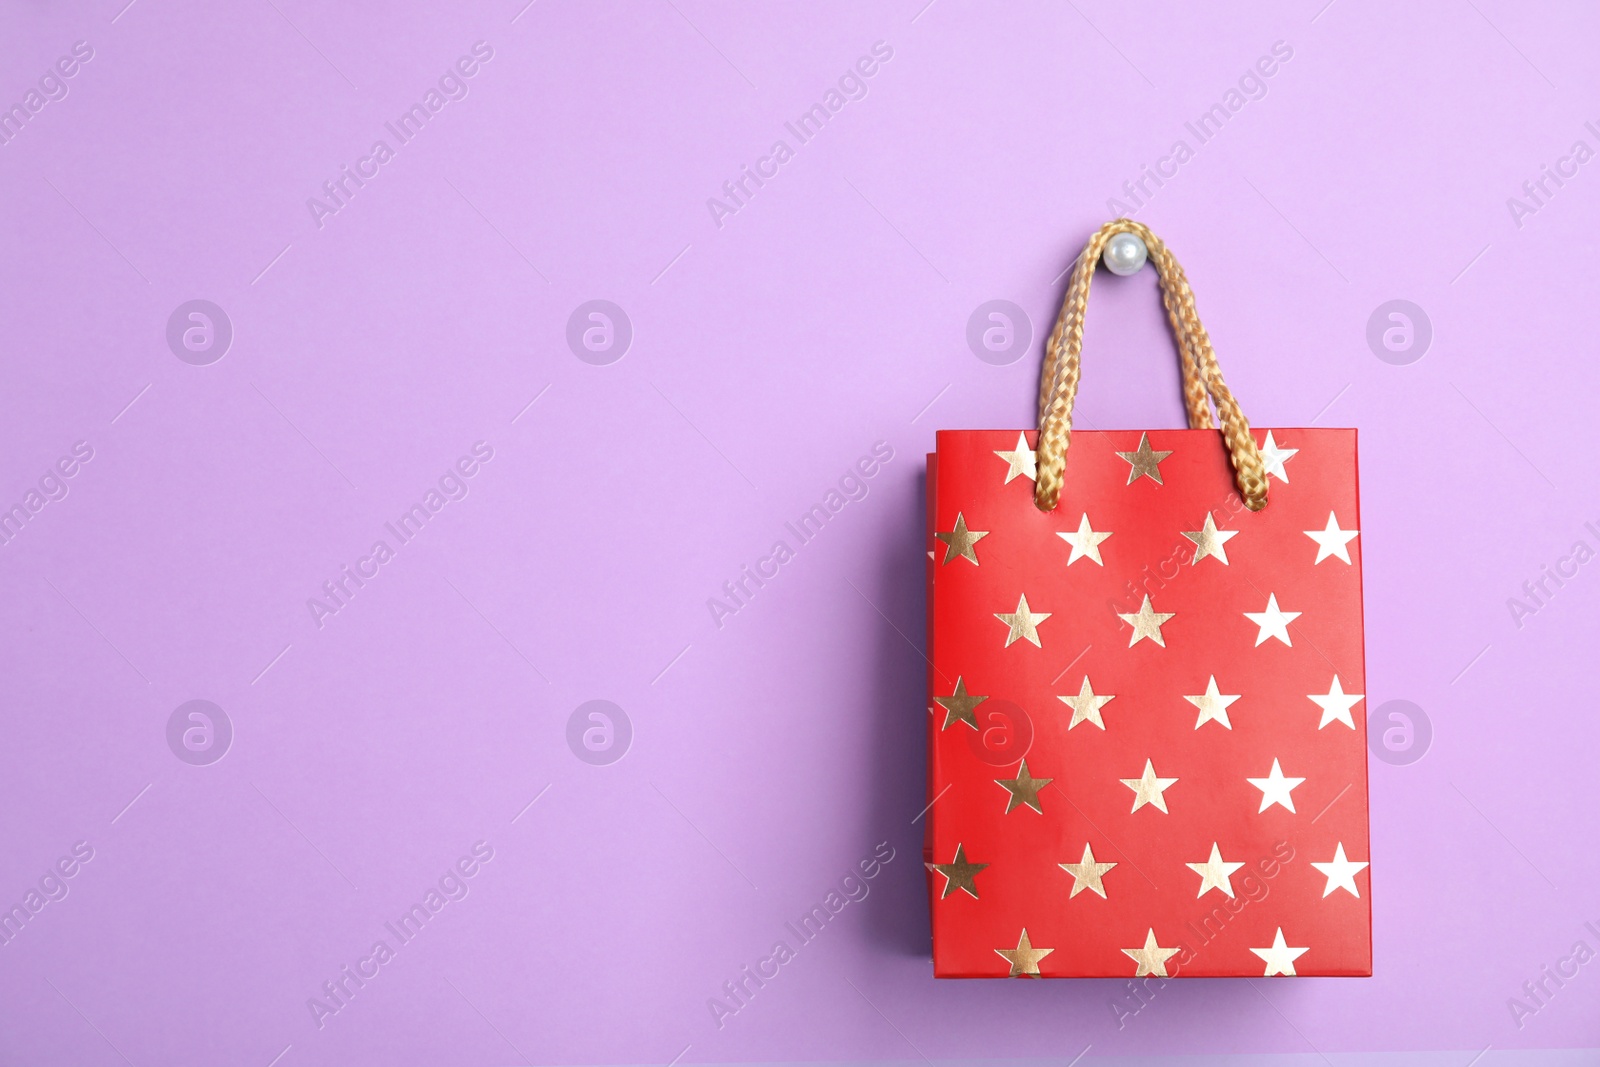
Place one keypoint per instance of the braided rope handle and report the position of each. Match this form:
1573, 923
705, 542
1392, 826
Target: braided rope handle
1203, 384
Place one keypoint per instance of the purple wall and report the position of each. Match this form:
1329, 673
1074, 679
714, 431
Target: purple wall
416, 333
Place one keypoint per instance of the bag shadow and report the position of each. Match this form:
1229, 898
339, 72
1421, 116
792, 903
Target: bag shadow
898, 917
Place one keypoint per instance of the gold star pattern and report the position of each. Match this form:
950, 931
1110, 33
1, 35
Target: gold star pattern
1152, 958
1024, 623
1213, 705
1273, 458
1147, 622
1209, 541
1085, 543
1274, 621
1021, 460
1024, 789
1145, 461
959, 706
1332, 541
1214, 873
1024, 959
1148, 789
959, 874
1275, 788
1087, 874
1086, 705
1336, 704
1279, 957
960, 542
1341, 872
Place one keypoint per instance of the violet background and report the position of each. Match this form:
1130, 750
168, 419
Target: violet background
769, 756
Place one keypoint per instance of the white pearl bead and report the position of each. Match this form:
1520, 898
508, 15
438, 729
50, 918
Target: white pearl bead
1124, 254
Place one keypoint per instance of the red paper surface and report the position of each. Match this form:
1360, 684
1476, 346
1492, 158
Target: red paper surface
1151, 888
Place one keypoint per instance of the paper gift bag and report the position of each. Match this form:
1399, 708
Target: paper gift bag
1147, 739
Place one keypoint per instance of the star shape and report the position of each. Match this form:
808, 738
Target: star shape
1279, 958
1274, 621
1145, 461
959, 874
1275, 788
1148, 789
1214, 873
1340, 872
1022, 460
1209, 541
1146, 622
1087, 874
1274, 458
1086, 705
1152, 959
960, 542
1024, 789
1212, 704
1336, 704
1331, 541
1024, 959
1023, 622
959, 706
1085, 543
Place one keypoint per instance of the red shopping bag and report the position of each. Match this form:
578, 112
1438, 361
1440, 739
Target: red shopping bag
1146, 742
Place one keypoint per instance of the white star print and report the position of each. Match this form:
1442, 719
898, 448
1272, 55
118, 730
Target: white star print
1274, 458
1336, 704
1332, 541
1340, 872
1086, 705
1274, 621
1152, 958
1279, 957
1085, 543
1022, 460
1275, 788
1147, 623
1024, 622
1148, 788
1212, 705
1214, 873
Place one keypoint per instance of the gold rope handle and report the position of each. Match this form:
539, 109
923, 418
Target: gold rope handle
1203, 384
